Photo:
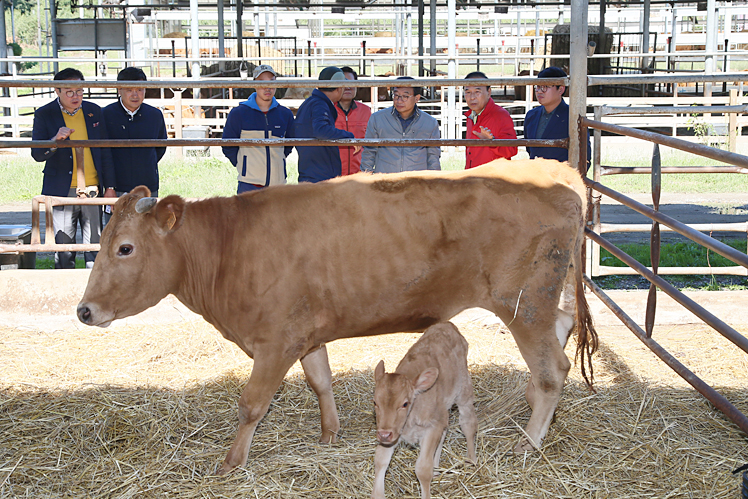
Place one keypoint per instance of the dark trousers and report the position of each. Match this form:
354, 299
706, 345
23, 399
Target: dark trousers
66, 220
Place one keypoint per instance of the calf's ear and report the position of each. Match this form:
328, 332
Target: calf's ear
169, 213
426, 380
379, 371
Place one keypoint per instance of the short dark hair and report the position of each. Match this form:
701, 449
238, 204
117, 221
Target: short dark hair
348, 69
416, 90
69, 74
553, 72
131, 73
476, 75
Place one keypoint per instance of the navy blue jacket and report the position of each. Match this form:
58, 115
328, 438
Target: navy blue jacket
58, 172
134, 166
316, 119
558, 128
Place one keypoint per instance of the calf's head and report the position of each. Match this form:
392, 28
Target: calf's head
138, 263
394, 395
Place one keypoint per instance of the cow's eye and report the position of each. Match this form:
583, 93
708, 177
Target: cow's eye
125, 250
405, 405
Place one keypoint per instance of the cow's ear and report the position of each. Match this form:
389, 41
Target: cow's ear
426, 380
168, 213
379, 371
141, 191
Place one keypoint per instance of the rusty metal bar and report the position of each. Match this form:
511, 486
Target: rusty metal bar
666, 78
654, 241
47, 247
35, 225
282, 142
736, 270
281, 83
49, 202
717, 399
683, 145
613, 110
48, 224
65, 201
724, 227
582, 166
618, 170
699, 311
730, 253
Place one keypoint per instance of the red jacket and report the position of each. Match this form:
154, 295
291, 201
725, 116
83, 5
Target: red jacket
355, 122
498, 120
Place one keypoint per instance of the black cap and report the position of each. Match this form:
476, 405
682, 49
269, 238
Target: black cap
332, 73
552, 72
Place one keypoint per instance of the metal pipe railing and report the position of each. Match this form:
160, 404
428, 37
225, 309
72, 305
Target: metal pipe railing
713, 396
282, 83
690, 305
614, 110
728, 252
683, 145
618, 170
45, 144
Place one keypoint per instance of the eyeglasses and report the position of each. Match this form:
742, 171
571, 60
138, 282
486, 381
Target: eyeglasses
543, 88
399, 97
73, 93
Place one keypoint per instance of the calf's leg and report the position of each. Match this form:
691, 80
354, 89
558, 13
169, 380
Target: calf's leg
317, 370
267, 375
382, 458
430, 444
468, 420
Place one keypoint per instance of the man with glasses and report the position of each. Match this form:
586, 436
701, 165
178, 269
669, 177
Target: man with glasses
550, 120
67, 174
402, 121
486, 120
131, 118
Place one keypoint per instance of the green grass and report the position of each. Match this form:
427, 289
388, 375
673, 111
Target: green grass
48, 263
674, 255
671, 182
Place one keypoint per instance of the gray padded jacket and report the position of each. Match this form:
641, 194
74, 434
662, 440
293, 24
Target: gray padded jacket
385, 124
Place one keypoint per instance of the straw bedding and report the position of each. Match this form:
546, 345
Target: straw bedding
136, 412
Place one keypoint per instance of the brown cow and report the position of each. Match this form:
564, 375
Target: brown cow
284, 270
412, 404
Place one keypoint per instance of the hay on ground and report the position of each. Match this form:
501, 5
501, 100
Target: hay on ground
139, 412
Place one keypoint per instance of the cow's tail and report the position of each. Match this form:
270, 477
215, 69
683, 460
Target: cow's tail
586, 334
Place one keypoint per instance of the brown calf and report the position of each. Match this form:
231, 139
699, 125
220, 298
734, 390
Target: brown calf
412, 404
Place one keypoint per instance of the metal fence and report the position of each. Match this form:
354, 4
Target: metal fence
651, 274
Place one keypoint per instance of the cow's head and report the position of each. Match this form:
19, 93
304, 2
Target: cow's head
394, 395
138, 264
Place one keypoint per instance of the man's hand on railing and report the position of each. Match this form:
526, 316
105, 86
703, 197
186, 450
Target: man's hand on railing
63, 133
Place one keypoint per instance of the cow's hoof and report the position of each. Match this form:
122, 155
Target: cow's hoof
225, 469
328, 437
523, 446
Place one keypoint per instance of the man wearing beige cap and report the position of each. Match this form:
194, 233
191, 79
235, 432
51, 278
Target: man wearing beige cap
316, 119
259, 117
